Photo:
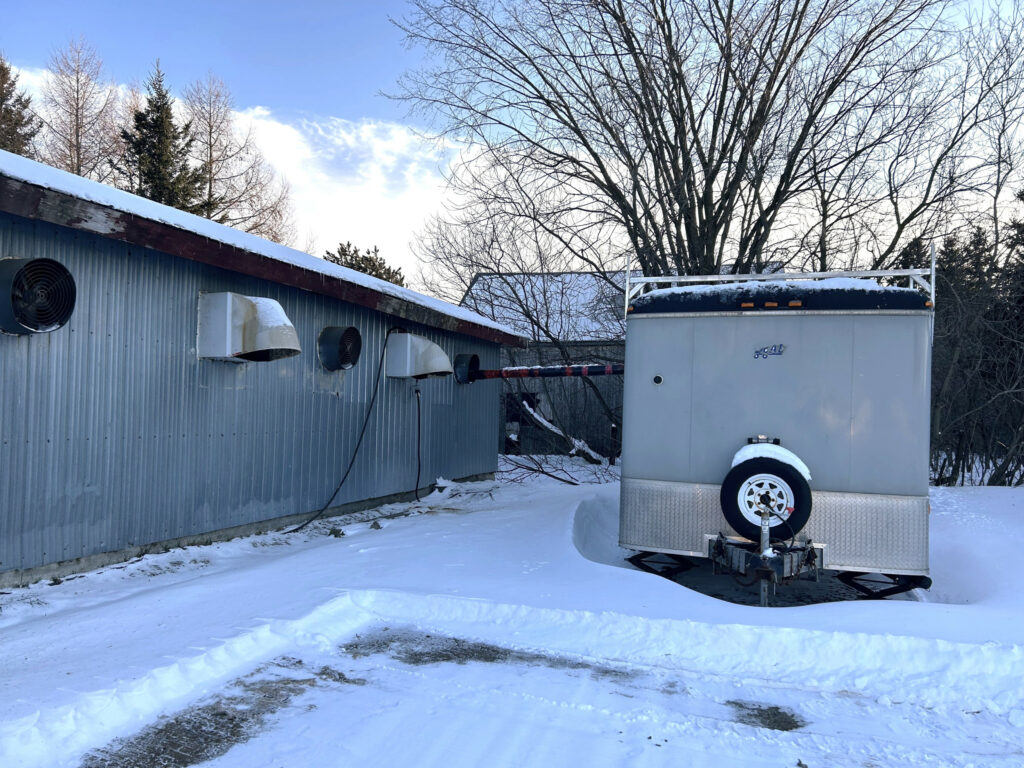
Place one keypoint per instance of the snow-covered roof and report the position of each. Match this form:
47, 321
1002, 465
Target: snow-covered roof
37, 191
834, 293
568, 306
773, 286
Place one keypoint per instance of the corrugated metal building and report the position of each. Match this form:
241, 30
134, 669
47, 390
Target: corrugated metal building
115, 434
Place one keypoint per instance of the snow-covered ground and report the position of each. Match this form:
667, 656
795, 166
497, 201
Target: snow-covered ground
497, 625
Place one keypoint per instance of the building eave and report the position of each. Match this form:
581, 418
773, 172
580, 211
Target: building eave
39, 203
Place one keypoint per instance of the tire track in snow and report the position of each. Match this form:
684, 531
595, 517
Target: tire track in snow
650, 708
883, 694
59, 736
983, 677
558, 679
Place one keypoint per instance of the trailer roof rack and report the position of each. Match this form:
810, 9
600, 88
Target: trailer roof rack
922, 279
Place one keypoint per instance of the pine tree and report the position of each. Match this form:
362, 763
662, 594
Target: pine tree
18, 125
157, 152
368, 262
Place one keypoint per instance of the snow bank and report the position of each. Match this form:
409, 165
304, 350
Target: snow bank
59, 735
531, 566
885, 667
595, 531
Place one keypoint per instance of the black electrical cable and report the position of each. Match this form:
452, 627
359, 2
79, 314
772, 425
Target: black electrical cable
785, 521
362, 432
416, 488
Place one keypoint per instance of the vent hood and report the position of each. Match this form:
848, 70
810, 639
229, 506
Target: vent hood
244, 329
412, 356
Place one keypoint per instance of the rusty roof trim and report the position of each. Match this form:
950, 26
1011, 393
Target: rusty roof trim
40, 203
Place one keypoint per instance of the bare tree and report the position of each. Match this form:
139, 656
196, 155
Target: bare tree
242, 189
79, 113
999, 41
717, 133
513, 222
517, 258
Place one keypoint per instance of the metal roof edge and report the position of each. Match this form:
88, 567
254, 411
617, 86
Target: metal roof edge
37, 202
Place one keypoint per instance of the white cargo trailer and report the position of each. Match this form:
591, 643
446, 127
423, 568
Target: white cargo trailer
799, 403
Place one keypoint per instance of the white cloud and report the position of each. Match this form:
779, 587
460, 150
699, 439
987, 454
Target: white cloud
368, 182
30, 80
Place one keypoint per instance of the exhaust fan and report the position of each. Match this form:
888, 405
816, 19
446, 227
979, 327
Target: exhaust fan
244, 329
412, 356
36, 295
339, 348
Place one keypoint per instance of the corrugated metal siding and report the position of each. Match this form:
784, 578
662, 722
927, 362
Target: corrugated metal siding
115, 435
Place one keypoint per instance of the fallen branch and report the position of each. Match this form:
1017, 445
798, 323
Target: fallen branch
578, 447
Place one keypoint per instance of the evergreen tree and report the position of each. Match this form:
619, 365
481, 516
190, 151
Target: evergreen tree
18, 125
1016, 243
368, 262
157, 151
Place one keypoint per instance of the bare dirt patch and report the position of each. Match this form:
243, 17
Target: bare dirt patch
766, 716
418, 649
208, 730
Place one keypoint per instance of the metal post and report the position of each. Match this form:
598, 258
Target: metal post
931, 248
931, 320
629, 269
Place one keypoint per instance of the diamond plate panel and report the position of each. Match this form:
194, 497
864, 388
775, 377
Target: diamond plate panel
867, 531
658, 516
860, 531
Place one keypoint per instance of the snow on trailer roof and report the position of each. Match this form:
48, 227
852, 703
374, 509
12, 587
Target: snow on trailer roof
834, 293
36, 191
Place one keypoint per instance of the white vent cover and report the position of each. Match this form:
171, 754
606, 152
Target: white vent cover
412, 356
244, 328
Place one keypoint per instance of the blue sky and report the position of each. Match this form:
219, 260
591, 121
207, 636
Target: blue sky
298, 58
306, 74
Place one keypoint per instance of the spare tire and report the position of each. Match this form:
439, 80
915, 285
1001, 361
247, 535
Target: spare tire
763, 483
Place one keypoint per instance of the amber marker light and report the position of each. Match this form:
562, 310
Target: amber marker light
796, 303
771, 303
747, 304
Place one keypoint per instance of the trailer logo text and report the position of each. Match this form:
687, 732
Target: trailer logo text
774, 349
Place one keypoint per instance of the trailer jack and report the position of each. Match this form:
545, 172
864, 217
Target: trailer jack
771, 564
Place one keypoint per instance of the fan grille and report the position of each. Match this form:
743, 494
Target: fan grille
42, 295
349, 347
339, 347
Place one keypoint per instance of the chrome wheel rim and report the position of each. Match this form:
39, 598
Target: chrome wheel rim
765, 492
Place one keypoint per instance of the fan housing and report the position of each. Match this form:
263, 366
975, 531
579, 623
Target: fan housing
36, 295
339, 348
